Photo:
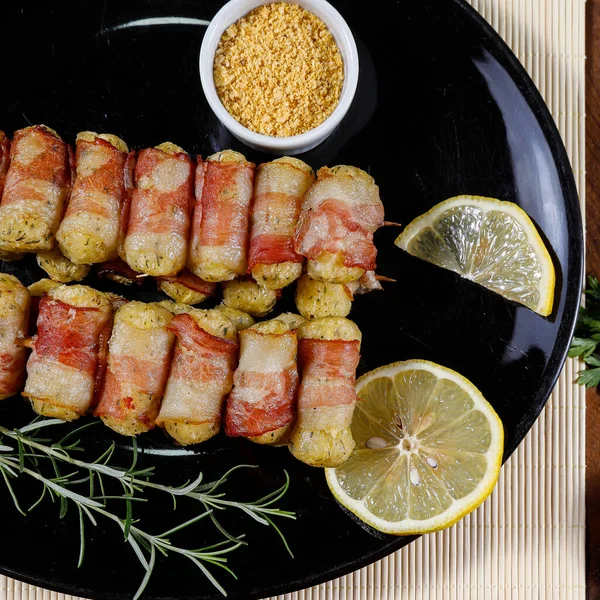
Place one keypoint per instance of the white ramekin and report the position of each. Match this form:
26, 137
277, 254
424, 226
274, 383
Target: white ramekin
234, 10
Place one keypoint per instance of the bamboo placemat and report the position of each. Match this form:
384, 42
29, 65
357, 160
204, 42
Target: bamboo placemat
527, 541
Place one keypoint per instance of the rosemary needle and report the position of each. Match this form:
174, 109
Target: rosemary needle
24, 454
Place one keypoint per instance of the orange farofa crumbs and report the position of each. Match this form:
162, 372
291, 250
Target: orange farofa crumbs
278, 70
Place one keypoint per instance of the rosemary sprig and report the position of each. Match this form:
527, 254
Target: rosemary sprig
23, 452
587, 336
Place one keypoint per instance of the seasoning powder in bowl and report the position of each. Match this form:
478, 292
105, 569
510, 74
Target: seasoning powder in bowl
278, 70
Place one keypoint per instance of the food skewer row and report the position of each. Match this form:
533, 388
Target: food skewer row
171, 365
339, 213
236, 222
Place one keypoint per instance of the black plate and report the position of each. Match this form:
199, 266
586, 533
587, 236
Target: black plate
443, 108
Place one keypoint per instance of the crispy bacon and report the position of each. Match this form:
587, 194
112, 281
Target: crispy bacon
128, 185
163, 196
12, 372
222, 211
265, 384
49, 163
69, 334
202, 362
62, 368
200, 356
339, 215
272, 248
103, 339
328, 370
192, 282
4, 158
278, 192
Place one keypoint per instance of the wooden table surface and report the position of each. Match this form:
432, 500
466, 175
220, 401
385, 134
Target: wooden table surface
593, 268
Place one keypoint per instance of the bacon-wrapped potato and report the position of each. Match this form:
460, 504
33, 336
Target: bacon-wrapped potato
61, 371
201, 375
159, 217
279, 188
250, 297
15, 302
37, 187
340, 213
218, 246
91, 228
137, 368
328, 354
261, 405
59, 267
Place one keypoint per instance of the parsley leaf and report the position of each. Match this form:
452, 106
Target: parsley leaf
587, 336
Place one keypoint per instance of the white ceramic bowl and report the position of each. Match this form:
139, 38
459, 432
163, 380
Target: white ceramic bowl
230, 13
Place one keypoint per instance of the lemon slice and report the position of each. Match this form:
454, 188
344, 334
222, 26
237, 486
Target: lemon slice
489, 241
428, 449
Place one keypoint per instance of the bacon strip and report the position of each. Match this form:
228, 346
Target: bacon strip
222, 214
264, 384
192, 282
278, 192
160, 213
68, 334
119, 271
129, 186
4, 159
62, 367
14, 325
328, 370
339, 216
201, 374
95, 203
38, 183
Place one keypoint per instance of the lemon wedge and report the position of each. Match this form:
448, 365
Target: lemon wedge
491, 242
428, 449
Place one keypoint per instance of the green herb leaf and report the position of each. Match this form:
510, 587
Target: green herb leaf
585, 344
589, 377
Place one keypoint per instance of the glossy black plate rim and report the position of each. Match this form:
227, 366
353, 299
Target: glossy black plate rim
572, 300
573, 211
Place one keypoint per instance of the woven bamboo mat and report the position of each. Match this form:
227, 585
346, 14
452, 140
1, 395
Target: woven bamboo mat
527, 540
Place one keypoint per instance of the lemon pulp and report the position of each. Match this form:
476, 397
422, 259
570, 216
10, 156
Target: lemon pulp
491, 242
428, 449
